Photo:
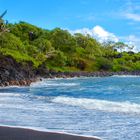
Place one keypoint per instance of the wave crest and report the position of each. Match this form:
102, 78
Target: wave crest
52, 84
103, 105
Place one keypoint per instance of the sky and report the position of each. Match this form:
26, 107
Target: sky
116, 20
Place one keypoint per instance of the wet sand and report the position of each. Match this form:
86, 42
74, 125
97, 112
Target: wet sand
13, 133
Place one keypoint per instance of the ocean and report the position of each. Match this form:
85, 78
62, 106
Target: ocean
107, 107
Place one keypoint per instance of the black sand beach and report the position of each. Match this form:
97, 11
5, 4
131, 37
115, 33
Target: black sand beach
11, 133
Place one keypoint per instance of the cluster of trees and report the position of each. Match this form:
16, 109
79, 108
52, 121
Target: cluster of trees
59, 50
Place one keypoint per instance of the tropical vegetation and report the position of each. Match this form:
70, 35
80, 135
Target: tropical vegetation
60, 50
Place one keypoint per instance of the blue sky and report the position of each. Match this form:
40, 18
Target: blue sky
101, 18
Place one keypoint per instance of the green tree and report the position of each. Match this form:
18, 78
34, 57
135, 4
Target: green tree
43, 45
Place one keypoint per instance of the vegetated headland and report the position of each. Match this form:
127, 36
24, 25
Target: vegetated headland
28, 52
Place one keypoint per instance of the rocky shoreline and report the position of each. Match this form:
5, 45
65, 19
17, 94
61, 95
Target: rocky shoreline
88, 74
27, 82
13, 73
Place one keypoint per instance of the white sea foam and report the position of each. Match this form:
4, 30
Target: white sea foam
52, 84
59, 78
8, 94
7, 87
125, 76
94, 104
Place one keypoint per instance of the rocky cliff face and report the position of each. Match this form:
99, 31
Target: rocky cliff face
14, 73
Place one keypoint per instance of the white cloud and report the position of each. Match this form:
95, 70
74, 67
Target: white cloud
97, 32
132, 40
103, 35
132, 16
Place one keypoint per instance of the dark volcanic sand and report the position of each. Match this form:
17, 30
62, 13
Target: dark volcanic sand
10, 133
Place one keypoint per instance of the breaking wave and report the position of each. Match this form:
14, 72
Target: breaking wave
103, 105
52, 84
129, 76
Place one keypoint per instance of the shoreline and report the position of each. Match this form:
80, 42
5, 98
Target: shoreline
13, 73
22, 133
51, 75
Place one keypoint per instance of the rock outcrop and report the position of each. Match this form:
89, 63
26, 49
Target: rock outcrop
14, 73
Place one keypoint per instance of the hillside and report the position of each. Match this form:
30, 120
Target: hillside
58, 50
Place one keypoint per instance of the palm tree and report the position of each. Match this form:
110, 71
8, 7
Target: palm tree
2, 23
